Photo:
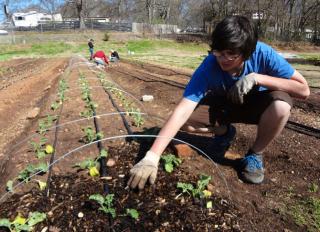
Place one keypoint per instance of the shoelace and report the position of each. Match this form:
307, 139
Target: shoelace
252, 162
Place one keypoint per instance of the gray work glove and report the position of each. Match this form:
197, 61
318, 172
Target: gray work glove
146, 169
241, 88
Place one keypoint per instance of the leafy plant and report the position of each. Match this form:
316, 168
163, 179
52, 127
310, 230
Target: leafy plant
92, 165
30, 169
39, 147
91, 135
138, 120
170, 162
106, 203
55, 105
45, 124
23, 224
199, 191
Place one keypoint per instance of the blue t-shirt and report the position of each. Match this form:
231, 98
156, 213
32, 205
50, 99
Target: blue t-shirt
209, 75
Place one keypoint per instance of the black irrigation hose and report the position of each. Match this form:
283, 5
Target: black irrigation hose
303, 129
125, 122
54, 151
102, 160
297, 127
172, 83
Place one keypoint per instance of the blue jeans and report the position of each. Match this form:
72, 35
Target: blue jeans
91, 53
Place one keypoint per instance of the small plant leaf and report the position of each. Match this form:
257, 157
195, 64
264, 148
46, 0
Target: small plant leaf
97, 197
35, 218
5, 222
49, 149
209, 205
207, 193
19, 220
133, 213
104, 153
168, 167
42, 185
10, 185
93, 171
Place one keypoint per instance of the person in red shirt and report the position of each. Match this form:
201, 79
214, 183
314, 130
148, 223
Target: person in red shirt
100, 58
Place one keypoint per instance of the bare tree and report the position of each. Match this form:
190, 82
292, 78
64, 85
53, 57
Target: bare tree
51, 6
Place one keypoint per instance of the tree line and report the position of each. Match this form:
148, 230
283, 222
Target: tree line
276, 19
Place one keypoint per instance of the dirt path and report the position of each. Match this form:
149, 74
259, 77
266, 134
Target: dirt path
20, 102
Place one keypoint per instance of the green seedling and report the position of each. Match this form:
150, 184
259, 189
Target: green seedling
55, 105
103, 154
39, 148
91, 135
138, 120
106, 203
30, 170
45, 124
133, 213
86, 164
92, 165
87, 113
23, 224
170, 162
197, 192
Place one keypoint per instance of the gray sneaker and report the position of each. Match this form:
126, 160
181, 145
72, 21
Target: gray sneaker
252, 170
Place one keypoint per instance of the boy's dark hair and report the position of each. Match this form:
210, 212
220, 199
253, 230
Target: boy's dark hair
235, 33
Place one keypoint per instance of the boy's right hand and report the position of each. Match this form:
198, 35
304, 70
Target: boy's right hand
146, 169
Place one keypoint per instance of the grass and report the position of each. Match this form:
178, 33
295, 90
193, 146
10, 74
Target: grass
168, 52
307, 213
162, 51
303, 209
40, 49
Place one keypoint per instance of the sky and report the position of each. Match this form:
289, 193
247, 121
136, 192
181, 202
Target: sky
14, 5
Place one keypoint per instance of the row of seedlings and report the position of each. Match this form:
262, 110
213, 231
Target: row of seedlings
106, 200
41, 149
170, 161
129, 106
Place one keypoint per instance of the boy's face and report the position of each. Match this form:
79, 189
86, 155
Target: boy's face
228, 60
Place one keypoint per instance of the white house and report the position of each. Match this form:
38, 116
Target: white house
32, 18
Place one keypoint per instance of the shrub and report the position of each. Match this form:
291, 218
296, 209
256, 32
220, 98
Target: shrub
106, 36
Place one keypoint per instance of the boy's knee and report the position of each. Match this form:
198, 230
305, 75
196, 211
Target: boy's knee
281, 108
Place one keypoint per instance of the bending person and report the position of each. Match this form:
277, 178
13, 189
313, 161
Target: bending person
240, 81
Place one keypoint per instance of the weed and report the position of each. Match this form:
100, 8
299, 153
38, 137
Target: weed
313, 188
306, 213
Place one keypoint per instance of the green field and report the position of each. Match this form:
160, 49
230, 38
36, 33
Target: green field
130, 46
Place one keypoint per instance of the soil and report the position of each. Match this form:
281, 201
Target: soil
292, 160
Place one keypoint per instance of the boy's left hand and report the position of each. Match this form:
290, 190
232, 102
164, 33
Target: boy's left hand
241, 88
